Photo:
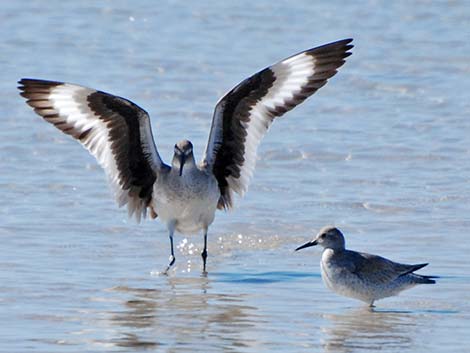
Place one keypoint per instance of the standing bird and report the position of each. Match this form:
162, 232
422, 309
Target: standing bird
184, 195
359, 275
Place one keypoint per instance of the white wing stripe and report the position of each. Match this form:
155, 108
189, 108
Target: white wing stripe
244, 114
66, 99
289, 81
101, 122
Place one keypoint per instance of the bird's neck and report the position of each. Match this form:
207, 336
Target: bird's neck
188, 163
335, 249
188, 168
327, 254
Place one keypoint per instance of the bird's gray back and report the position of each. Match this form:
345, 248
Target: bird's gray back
365, 276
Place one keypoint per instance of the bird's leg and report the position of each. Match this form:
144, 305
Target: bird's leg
371, 305
172, 259
204, 252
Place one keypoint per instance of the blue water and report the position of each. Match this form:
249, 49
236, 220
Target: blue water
382, 151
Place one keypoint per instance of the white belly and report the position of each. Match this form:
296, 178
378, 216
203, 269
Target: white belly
187, 202
343, 282
347, 286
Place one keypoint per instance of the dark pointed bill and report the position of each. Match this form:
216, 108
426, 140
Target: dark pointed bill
182, 161
307, 245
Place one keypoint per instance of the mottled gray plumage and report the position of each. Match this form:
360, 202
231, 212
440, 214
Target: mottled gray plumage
360, 275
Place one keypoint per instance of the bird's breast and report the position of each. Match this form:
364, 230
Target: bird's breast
189, 200
339, 278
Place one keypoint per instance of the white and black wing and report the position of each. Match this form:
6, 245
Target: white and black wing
116, 132
243, 115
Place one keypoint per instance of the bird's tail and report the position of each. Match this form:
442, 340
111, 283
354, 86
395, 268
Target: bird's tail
422, 279
418, 279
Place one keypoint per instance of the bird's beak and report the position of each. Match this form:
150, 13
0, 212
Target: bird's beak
182, 161
307, 245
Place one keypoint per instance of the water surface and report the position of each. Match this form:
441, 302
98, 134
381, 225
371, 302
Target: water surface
382, 151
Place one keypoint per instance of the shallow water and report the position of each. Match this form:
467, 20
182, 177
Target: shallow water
382, 151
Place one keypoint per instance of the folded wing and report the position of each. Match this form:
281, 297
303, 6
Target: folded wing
379, 270
114, 130
243, 115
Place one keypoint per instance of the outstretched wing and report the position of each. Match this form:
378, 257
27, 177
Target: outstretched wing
116, 132
243, 115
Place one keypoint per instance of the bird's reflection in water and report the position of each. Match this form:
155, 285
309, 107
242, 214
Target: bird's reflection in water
180, 313
368, 329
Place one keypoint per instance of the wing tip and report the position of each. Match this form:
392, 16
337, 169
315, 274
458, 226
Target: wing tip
420, 266
410, 269
340, 47
33, 84
341, 42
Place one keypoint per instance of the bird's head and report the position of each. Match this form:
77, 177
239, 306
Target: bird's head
183, 153
328, 237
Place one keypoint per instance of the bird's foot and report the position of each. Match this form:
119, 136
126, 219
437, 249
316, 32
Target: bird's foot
172, 260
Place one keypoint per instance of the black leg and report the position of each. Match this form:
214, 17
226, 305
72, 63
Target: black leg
204, 252
172, 258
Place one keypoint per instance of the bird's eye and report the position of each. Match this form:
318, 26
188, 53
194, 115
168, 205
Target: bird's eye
322, 236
